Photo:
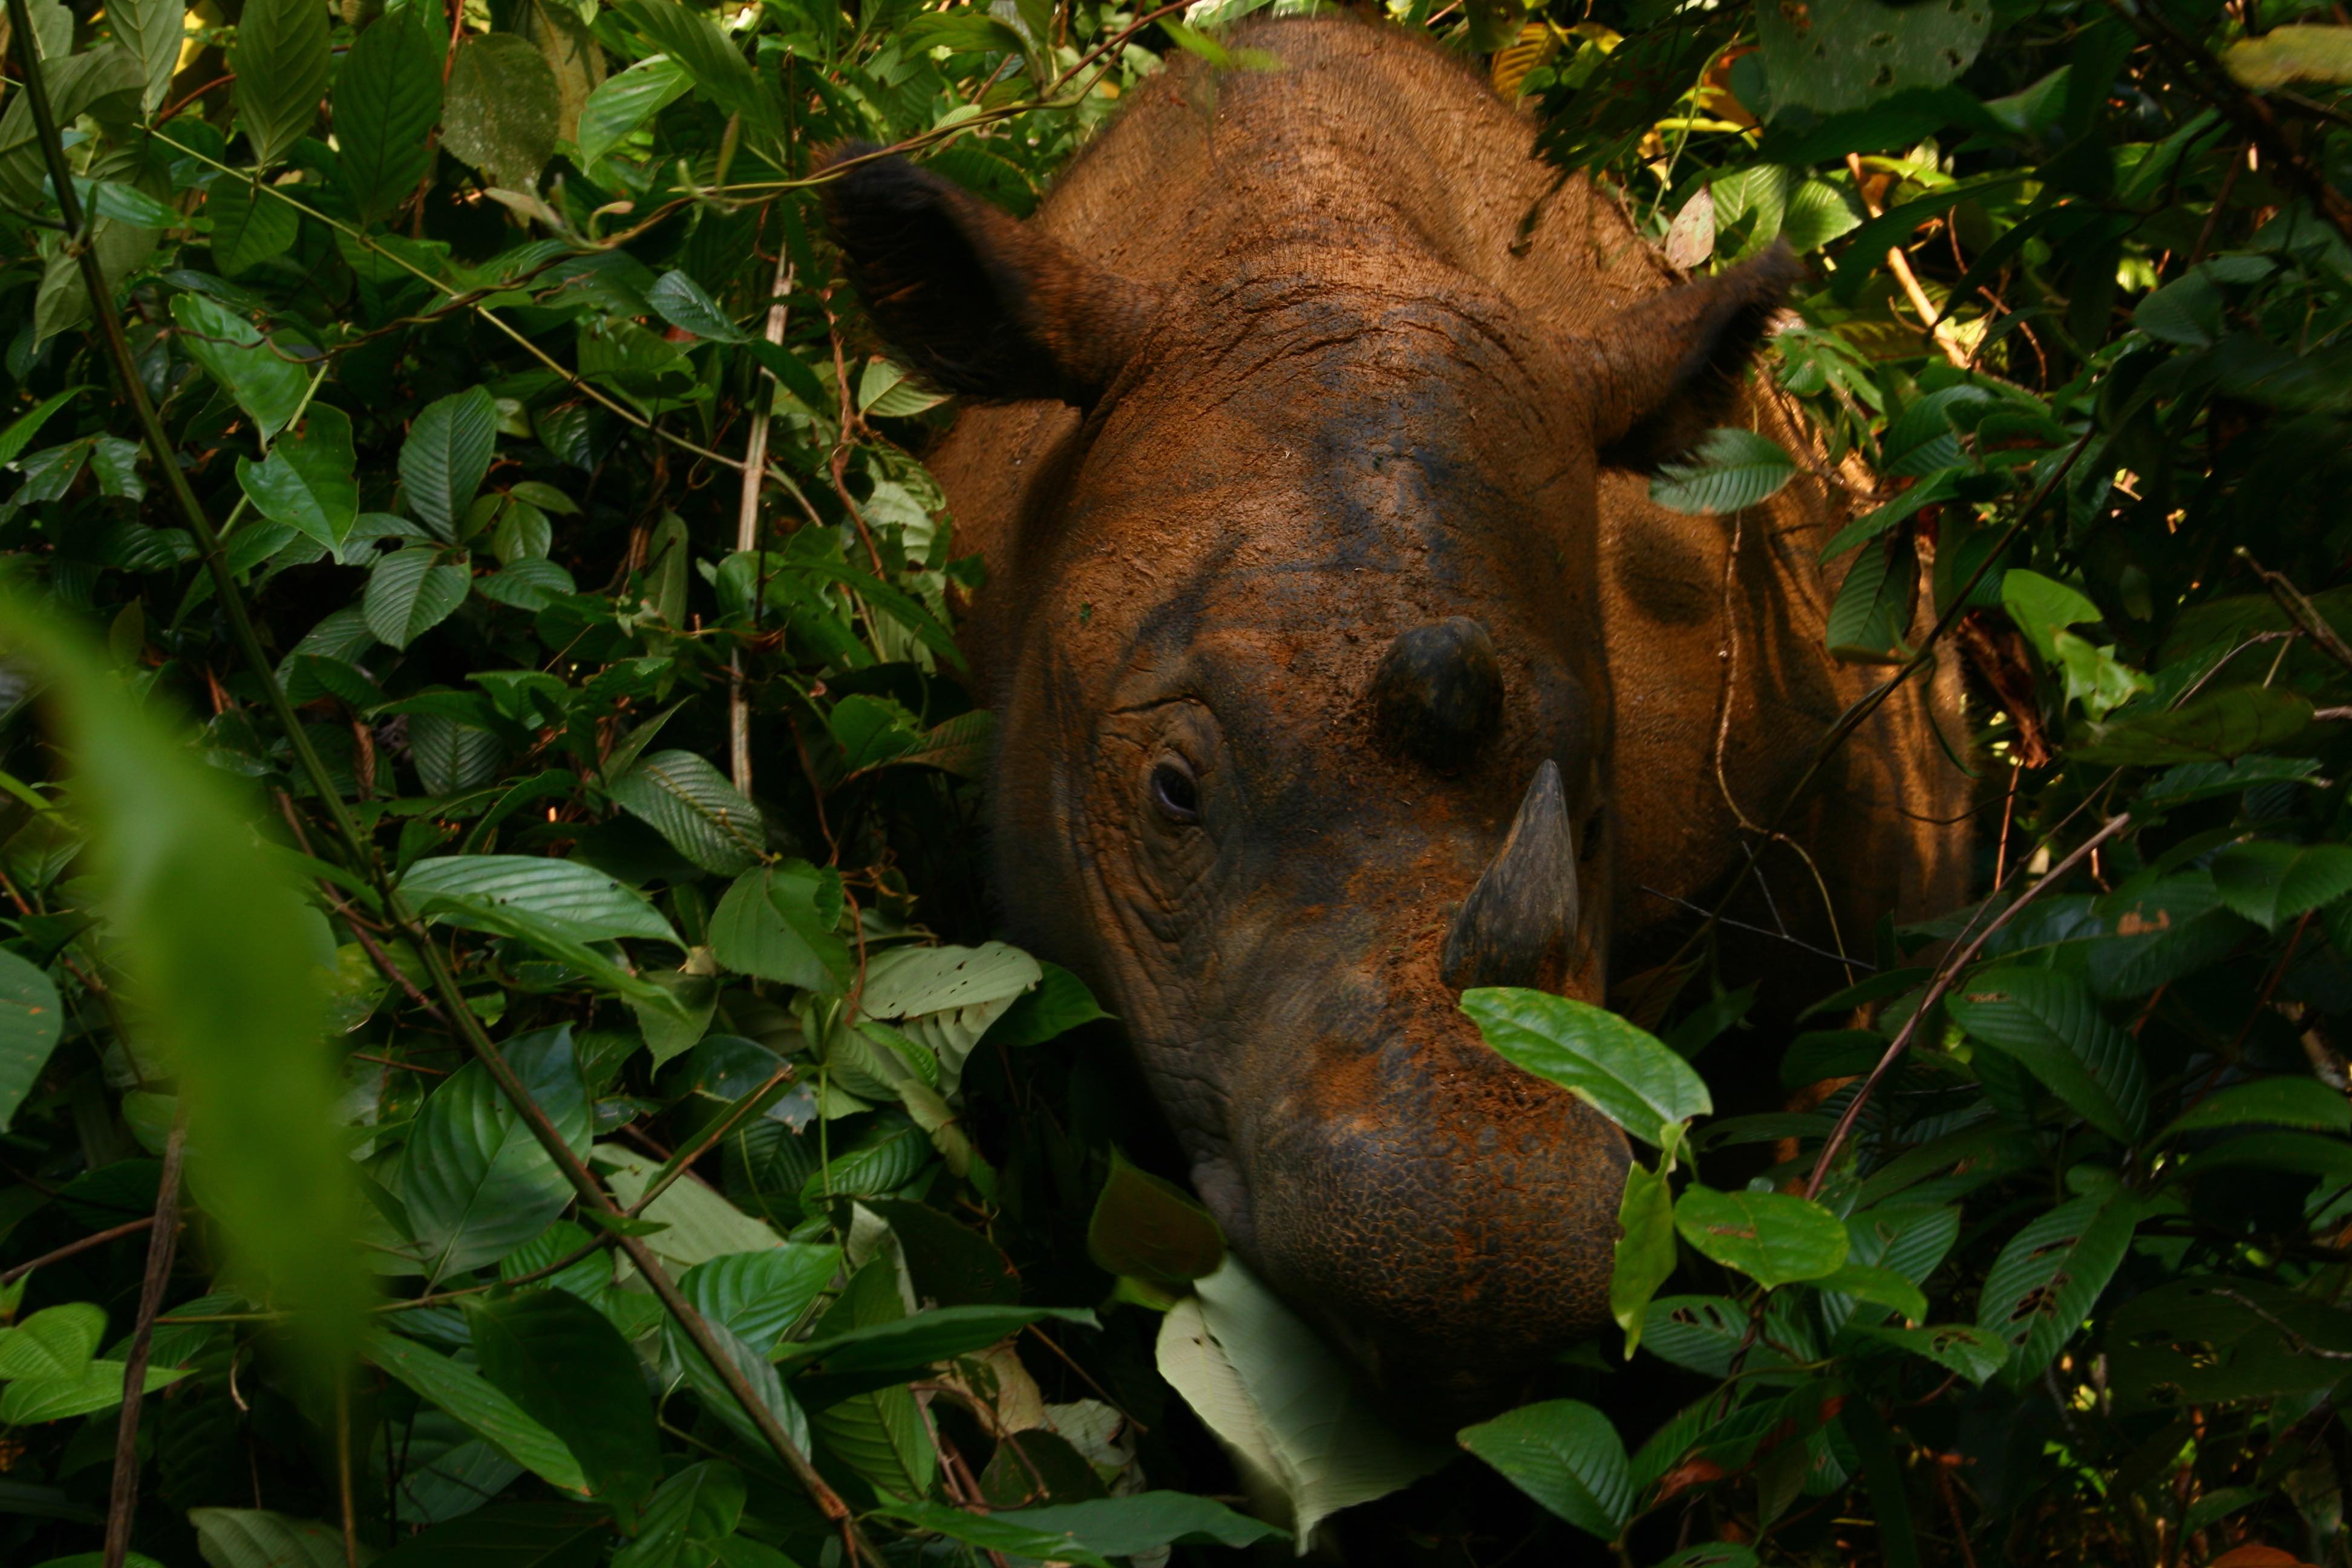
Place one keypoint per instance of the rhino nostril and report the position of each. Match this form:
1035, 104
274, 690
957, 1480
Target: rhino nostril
1438, 693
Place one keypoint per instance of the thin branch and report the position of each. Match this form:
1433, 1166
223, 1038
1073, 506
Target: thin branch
95, 1239
122, 1504
747, 518
1945, 977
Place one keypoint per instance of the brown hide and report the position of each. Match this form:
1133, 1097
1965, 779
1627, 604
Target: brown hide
1339, 352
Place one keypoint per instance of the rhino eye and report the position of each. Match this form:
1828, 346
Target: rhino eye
1174, 792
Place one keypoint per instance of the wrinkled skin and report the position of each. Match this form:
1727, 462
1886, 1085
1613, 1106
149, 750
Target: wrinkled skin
1274, 389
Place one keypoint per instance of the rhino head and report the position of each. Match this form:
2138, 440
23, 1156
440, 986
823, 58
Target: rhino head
1305, 724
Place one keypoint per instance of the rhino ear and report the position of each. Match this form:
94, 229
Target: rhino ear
1668, 369
971, 300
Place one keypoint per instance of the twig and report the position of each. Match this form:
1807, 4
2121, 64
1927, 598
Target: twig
747, 519
2299, 610
1898, 263
1945, 977
122, 1503
98, 1238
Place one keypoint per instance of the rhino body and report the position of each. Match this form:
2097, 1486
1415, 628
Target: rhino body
1341, 660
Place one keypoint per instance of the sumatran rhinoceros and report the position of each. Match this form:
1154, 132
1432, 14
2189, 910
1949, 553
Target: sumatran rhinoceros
1342, 661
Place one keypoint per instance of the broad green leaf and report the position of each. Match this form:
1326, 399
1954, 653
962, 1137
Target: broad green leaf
55, 1344
1644, 1256
2050, 1275
1146, 1521
689, 802
1060, 1003
694, 40
1567, 1457
152, 30
281, 60
1152, 1229
198, 915
759, 1296
1730, 470
2048, 1020
1837, 55
994, 1533
2044, 607
27, 424
1874, 606
449, 450
1774, 1238
250, 225
503, 108
701, 1224
936, 1336
1975, 1353
387, 101
2269, 1101
687, 1518
510, 1535
308, 481
761, 1378
1869, 1282
2281, 57
97, 1386
946, 997
466, 1396
569, 1369
575, 900
2303, 1152
30, 1019
771, 924
1295, 1417
256, 1538
2270, 883
2201, 781
266, 384
476, 1182
1624, 1072
410, 591
2215, 727
614, 111
684, 305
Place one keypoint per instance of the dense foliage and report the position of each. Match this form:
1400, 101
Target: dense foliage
476, 599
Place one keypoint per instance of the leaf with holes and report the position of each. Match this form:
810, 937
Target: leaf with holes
2050, 1274
691, 803
1730, 471
1774, 1238
1566, 1455
2049, 1021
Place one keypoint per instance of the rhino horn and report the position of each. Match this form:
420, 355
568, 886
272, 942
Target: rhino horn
1519, 925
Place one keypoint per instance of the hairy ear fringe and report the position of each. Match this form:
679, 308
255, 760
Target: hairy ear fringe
1669, 368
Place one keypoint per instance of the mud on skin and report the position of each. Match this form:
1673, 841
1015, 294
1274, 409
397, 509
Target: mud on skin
1341, 660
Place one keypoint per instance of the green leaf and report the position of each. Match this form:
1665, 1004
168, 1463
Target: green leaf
691, 803
30, 1020
1975, 1353
510, 1535
2050, 1275
1869, 1282
152, 30
1060, 1003
476, 1182
1125, 1526
410, 591
387, 101
309, 481
2271, 883
2269, 1101
759, 1297
1730, 470
2048, 1020
1566, 1455
2044, 607
27, 424
2284, 56
690, 1514
97, 1386
682, 302
250, 225
55, 1344
1151, 1230
232, 351
940, 1334
281, 59
1644, 1256
256, 1538
2212, 728
469, 1398
503, 108
696, 42
1874, 606
993, 1532
614, 111
702, 1224
447, 452
198, 915
1625, 1073
1774, 1238
766, 1386
573, 900
569, 1370
1299, 1420
771, 924
1836, 55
